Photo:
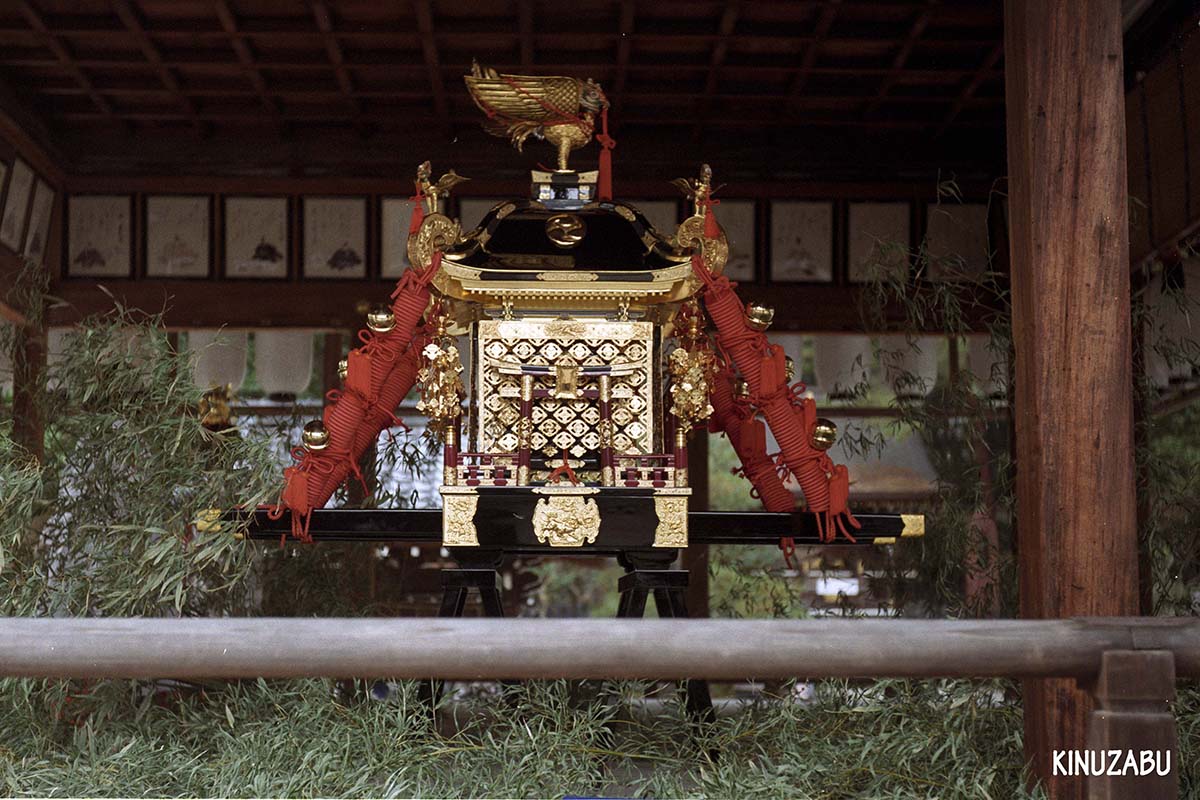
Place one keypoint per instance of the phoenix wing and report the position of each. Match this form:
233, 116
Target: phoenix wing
512, 99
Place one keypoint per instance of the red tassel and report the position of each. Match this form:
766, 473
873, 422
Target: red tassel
711, 229
607, 143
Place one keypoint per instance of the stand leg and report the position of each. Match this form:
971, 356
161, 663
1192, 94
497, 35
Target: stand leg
669, 587
456, 583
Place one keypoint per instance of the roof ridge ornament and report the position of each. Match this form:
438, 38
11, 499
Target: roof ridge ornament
558, 109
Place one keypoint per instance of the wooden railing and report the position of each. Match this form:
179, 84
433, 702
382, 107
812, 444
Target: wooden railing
1129, 664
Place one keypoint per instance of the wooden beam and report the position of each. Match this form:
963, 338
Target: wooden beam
901, 58
429, 51
479, 649
245, 57
389, 65
625, 34
333, 50
485, 31
31, 135
720, 50
811, 51
525, 31
1134, 695
1071, 323
331, 305
131, 19
64, 57
968, 91
664, 118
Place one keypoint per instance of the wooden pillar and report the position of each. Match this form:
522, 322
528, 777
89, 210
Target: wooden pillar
1070, 286
1133, 697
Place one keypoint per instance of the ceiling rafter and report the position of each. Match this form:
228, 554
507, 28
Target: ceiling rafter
938, 76
525, 29
441, 106
132, 19
416, 95
910, 42
625, 33
812, 50
361, 71
246, 58
333, 49
968, 91
65, 58
720, 51
780, 42
397, 122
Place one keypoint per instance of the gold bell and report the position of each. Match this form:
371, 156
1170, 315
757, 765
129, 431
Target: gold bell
343, 368
824, 433
380, 319
759, 316
789, 368
741, 388
314, 436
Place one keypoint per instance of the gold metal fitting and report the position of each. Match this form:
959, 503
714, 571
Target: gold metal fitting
314, 436
741, 388
789, 368
380, 319
824, 433
759, 316
343, 369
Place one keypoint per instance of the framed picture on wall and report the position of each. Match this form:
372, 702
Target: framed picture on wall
178, 236
801, 241
256, 237
737, 218
38, 236
956, 240
99, 236
879, 240
335, 237
16, 206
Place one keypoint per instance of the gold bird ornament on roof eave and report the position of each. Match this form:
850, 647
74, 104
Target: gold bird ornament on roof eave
558, 109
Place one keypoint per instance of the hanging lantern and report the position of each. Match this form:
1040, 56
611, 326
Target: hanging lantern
841, 364
989, 367
220, 357
283, 363
910, 368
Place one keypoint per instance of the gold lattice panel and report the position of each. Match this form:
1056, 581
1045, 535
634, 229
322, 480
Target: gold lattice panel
572, 425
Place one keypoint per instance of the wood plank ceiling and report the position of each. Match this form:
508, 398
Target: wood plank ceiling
820, 89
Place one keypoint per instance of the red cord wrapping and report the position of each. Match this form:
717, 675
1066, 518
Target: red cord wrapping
379, 375
791, 418
748, 438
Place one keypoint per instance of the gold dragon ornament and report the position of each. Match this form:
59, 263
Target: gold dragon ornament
560, 110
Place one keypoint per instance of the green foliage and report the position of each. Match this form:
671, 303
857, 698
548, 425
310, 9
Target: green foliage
119, 519
265, 739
